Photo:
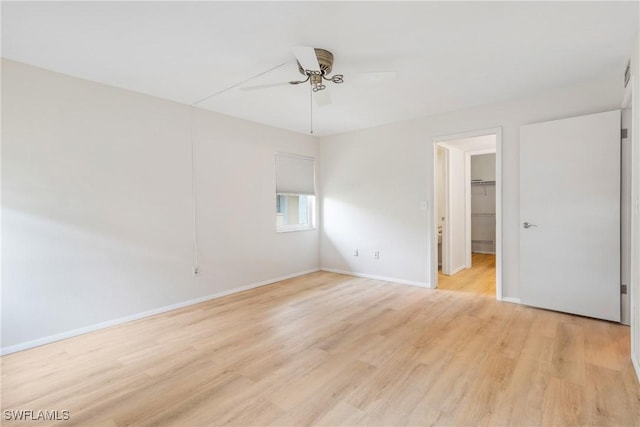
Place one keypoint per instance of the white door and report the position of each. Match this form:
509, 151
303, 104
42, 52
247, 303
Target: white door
570, 215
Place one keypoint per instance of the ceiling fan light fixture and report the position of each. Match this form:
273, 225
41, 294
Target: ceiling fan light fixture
316, 82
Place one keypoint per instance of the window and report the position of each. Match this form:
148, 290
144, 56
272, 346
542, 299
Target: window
295, 192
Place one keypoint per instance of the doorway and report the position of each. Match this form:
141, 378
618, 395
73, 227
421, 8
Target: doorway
467, 216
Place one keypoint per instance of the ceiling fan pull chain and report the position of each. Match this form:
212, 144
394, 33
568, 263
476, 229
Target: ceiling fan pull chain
311, 109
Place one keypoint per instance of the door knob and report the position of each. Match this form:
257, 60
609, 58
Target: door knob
528, 224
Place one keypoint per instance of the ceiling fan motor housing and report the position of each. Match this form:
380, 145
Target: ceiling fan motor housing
325, 60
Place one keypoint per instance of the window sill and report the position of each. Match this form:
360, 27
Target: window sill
293, 228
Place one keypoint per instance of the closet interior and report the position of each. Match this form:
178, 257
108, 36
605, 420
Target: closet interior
483, 203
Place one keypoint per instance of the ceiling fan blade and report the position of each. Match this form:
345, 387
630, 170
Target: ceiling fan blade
322, 97
307, 58
265, 86
375, 77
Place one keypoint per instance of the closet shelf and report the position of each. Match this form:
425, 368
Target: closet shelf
480, 182
482, 214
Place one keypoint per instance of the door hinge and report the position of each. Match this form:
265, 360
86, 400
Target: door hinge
623, 289
623, 133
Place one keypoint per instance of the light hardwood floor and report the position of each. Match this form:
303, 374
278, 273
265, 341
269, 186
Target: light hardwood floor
479, 279
329, 349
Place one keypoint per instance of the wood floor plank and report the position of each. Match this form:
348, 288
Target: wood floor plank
398, 402
479, 403
522, 402
326, 396
568, 361
329, 349
604, 396
563, 404
480, 279
604, 346
341, 414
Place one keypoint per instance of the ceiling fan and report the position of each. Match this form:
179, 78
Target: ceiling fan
313, 63
316, 65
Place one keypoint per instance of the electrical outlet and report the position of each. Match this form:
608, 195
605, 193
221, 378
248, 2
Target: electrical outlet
196, 270
376, 254
355, 252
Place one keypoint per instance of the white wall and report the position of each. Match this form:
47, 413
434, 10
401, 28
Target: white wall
456, 222
373, 181
96, 194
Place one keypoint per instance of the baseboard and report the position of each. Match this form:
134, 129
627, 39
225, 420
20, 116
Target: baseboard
373, 276
636, 364
511, 300
102, 325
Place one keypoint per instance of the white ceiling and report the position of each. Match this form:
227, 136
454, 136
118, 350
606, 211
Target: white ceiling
447, 56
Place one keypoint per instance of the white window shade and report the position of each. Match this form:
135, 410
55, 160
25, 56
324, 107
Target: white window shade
295, 174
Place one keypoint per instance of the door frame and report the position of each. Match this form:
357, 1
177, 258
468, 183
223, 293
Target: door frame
433, 232
631, 100
446, 244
